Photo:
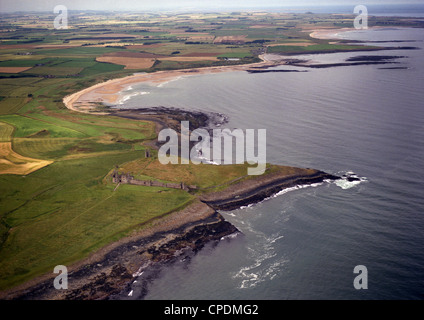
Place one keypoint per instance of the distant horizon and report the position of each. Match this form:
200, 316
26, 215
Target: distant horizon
191, 6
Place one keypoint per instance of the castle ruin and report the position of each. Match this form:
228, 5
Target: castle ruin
129, 179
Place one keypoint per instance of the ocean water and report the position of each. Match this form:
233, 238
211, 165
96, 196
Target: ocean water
306, 242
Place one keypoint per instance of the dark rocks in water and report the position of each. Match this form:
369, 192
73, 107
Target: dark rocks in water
347, 64
163, 115
351, 179
374, 58
195, 239
267, 190
267, 71
394, 68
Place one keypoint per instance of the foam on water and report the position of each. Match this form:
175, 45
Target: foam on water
266, 263
162, 84
127, 97
284, 191
344, 183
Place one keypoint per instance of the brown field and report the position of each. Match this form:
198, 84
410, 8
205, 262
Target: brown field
13, 163
129, 63
144, 60
13, 69
17, 46
131, 60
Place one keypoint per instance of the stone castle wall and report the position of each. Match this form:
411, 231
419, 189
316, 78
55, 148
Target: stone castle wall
129, 179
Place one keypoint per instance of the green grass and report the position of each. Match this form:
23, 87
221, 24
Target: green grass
62, 212
201, 175
57, 148
78, 51
54, 71
26, 127
44, 148
95, 126
6, 132
77, 63
100, 67
235, 55
20, 63
11, 105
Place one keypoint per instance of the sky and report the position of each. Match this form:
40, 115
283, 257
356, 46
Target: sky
141, 5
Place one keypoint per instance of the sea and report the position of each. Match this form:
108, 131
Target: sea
305, 242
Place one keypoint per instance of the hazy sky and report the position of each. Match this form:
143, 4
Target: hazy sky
140, 5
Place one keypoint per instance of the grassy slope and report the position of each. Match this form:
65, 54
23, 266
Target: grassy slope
62, 212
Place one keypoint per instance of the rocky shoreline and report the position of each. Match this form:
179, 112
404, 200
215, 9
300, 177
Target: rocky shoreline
229, 201
108, 272
180, 234
169, 117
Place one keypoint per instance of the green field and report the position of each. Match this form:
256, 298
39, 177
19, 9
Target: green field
6, 132
26, 126
63, 212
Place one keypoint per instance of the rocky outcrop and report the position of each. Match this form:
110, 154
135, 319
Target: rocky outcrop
245, 196
195, 239
184, 232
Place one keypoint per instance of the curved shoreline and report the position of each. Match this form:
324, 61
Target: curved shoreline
108, 92
111, 269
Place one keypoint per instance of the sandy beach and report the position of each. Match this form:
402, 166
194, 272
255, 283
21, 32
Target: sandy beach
109, 92
334, 34
329, 33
